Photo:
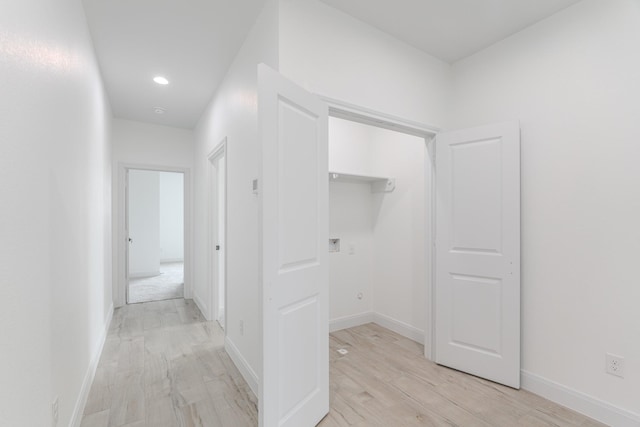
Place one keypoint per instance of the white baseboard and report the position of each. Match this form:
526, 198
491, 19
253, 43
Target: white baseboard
390, 323
241, 363
578, 401
78, 410
142, 275
170, 260
399, 327
204, 308
350, 321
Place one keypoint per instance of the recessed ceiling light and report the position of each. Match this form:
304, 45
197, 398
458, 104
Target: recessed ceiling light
159, 110
161, 80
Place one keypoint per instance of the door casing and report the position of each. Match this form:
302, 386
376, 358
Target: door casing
218, 154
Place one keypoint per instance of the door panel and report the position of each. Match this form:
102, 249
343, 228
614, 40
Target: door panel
477, 297
297, 186
294, 389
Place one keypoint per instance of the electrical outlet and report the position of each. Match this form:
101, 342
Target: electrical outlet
615, 365
242, 328
54, 412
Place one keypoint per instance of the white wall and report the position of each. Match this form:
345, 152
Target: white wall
572, 81
171, 216
335, 55
233, 114
387, 229
143, 144
149, 144
350, 147
144, 223
55, 221
399, 259
350, 220
350, 271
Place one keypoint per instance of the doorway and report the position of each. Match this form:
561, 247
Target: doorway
473, 299
154, 223
218, 232
378, 226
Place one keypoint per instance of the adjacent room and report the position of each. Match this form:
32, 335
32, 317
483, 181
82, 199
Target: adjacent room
155, 214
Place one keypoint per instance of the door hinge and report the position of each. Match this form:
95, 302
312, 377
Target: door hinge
217, 247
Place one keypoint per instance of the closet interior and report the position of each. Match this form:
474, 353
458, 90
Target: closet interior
377, 220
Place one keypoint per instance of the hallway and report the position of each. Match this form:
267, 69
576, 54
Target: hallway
163, 365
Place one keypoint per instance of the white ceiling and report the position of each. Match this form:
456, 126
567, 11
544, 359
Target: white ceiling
450, 29
191, 42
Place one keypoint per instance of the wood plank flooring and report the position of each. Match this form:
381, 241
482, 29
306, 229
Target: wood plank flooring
164, 365
385, 380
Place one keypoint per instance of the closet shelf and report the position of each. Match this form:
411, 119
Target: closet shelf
379, 184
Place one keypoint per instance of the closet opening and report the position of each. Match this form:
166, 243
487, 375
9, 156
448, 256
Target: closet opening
380, 226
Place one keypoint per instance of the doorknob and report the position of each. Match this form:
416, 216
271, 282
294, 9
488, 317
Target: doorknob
130, 240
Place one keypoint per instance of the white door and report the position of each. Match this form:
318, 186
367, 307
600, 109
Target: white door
294, 390
128, 239
221, 245
218, 242
477, 298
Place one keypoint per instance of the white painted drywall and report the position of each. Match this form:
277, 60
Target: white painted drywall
233, 114
399, 257
387, 229
54, 222
336, 55
171, 216
144, 223
144, 144
572, 80
350, 270
149, 144
350, 147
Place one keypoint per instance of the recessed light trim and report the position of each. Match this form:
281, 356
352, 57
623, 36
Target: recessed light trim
161, 80
159, 110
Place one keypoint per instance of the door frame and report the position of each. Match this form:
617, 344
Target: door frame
344, 110
121, 287
219, 153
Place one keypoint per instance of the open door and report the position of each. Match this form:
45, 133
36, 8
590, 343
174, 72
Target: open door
218, 228
294, 388
477, 289
127, 237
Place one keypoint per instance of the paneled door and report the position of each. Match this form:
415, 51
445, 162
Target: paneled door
477, 288
294, 387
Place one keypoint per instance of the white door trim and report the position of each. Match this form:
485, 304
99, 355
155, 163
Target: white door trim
120, 282
355, 113
219, 152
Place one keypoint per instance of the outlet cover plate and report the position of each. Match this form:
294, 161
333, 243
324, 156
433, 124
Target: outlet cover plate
615, 365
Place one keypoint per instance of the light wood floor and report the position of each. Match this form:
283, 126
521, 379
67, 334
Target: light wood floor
385, 380
165, 365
